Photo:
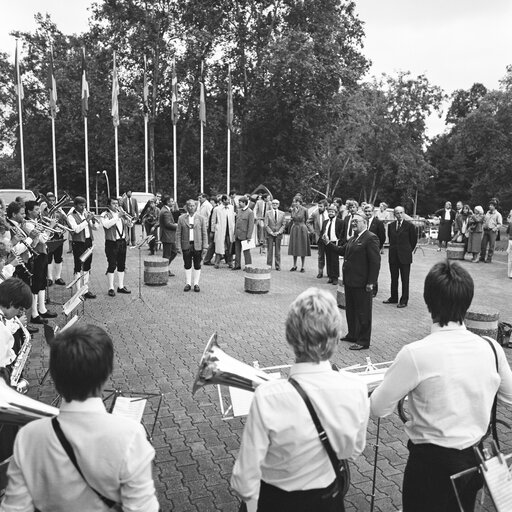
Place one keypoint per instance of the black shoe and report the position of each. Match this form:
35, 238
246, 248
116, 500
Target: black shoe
401, 305
236, 268
187, 288
319, 275
60, 282
38, 320
389, 301
48, 314
123, 290
278, 269
89, 295
293, 269
329, 281
346, 338
32, 330
208, 263
358, 347
171, 274
196, 288
334, 281
49, 282
111, 293
302, 270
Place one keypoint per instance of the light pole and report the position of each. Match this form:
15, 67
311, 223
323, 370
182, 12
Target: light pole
108, 182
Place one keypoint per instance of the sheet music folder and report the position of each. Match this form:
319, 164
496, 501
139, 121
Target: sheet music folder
499, 482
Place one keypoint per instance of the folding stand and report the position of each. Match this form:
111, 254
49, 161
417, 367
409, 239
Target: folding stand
142, 243
131, 405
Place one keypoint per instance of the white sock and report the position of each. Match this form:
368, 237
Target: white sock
41, 302
120, 278
110, 277
34, 306
196, 275
188, 275
58, 270
50, 271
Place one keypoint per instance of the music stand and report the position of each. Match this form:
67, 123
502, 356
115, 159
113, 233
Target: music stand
52, 246
142, 243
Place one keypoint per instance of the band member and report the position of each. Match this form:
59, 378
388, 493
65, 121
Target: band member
451, 379
223, 225
55, 257
40, 264
274, 226
332, 230
168, 230
282, 463
131, 207
117, 228
112, 452
82, 223
192, 241
244, 226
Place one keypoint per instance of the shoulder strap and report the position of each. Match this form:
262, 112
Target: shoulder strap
493, 421
71, 454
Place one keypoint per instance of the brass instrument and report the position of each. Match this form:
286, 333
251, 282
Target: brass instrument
18, 231
59, 204
21, 385
43, 227
62, 228
130, 218
90, 216
86, 254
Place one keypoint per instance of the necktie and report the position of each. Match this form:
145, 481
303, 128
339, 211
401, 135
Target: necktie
399, 226
275, 214
350, 227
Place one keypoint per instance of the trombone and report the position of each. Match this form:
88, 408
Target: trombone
59, 204
61, 227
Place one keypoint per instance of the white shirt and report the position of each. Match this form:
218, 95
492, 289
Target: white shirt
205, 209
447, 214
114, 219
112, 452
331, 229
280, 443
191, 228
7, 355
77, 228
450, 379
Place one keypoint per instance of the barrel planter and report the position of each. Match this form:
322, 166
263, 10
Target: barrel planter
483, 321
340, 295
455, 251
257, 279
156, 271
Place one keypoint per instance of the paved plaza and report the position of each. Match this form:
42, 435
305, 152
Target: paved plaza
160, 337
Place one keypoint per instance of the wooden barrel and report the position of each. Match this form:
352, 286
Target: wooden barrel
257, 279
156, 271
455, 251
482, 321
340, 295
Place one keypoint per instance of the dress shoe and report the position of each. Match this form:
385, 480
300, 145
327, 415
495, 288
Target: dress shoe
208, 263
216, 266
230, 265
346, 338
196, 288
389, 301
32, 330
38, 320
302, 270
111, 293
60, 282
358, 347
278, 269
48, 314
329, 281
123, 290
401, 305
187, 288
319, 275
171, 274
89, 295
334, 281
236, 268
49, 282
293, 269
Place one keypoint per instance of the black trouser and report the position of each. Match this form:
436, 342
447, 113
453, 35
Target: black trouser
332, 260
427, 485
57, 254
78, 249
238, 254
273, 499
169, 251
115, 250
190, 255
403, 270
40, 273
358, 310
211, 248
149, 231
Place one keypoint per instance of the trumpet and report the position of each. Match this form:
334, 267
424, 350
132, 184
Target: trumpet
43, 227
61, 227
90, 216
131, 219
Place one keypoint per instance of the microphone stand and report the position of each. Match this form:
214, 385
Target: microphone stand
144, 241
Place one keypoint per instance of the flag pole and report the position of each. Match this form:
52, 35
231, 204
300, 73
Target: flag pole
117, 161
174, 119
202, 160
19, 88
146, 171
145, 108
230, 127
54, 160
228, 173
175, 163
86, 165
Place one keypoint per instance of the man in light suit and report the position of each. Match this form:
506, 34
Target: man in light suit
223, 225
244, 226
332, 229
131, 207
192, 241
402, 241
314, 224
360, 273
167, 230
274, 227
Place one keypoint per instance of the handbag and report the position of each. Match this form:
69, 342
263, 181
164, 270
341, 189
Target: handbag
341, 467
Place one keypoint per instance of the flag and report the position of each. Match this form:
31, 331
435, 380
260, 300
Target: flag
202, 102
19, 85
145, 90
174, 95
85, 86
52, 87
115, 94
230, 102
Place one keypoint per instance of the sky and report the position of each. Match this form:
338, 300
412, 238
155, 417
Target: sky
455, 43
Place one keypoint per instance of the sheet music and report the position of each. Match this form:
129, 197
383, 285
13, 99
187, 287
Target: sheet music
130, 407
241, 399
499, 482
248, 244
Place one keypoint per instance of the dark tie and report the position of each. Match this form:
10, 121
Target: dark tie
399, 226
350, 227
329, 230
276, 216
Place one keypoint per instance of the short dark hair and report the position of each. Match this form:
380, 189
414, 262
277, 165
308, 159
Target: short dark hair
166, 198
30, 205
13, 208
79, 200
448, 292
224, 197
244, 200
110, 199
203, 195
324, 202
14, 292
232, 192
81, 361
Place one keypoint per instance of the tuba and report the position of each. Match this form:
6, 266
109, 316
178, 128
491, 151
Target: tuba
216, 367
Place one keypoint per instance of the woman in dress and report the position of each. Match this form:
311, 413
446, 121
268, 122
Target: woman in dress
299, 235
446, 218
460, 227
475, 228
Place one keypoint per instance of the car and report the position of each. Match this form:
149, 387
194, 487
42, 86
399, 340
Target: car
142, 199
10, 194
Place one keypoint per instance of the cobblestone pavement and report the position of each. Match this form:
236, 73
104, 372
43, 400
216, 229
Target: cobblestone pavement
159, 339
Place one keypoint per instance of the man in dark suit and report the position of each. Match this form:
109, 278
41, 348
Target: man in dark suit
167, 230
332, 229
274, 228
352, 207
244, 226
314, 225
192, 241
360, 272
402, 241
131, 207
375, 226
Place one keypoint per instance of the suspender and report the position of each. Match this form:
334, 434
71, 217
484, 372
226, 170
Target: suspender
492, 424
